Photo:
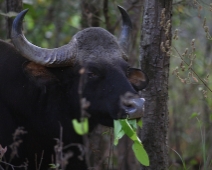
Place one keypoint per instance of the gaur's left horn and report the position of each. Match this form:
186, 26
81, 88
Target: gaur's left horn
126, 29
57, 57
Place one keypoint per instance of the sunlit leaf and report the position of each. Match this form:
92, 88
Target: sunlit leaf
140, 123
133, 123
193, 115
118, 131
117, 127
140, 153
54, 166
118, 136
128, 129
75, 21
80, 128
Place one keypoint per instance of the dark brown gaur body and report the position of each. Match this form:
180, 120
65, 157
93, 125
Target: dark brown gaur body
39, 89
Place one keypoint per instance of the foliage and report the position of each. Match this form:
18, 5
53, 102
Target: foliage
190, 85
128, 127
81, 127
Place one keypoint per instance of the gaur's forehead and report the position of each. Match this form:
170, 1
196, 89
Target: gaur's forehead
102, 57
97, 44
91, 37
106, 65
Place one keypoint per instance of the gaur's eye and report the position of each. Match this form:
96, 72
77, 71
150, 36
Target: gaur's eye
92, 75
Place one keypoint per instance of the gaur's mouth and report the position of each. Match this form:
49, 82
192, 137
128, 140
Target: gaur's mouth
132, 107
135, 109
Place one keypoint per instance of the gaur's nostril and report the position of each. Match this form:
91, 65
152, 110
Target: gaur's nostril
128, 105
133, 107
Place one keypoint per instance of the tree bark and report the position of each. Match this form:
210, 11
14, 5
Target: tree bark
12, 6
155, 62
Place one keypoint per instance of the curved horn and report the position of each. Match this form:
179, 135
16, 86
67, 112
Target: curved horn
57, 57
126, 29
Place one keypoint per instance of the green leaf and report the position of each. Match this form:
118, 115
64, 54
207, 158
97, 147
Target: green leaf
106, 132
128, 130
140, 123
193, 115
140, 153
210, 117
80, 128
119, 136
133, 124
118, 131
54, 166
117, 127
128, 127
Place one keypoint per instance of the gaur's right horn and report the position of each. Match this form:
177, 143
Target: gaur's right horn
126, 29
57, 57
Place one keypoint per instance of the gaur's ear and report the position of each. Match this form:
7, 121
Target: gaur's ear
40, 75
137, 78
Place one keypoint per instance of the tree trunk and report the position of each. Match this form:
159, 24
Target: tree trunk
12, 6
155, 62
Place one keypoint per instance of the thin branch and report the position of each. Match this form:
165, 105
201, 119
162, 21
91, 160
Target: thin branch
84, 114
110, 150
41, 159
36, 162
179, 2
205, 3
192, 70
12, 166
61, 146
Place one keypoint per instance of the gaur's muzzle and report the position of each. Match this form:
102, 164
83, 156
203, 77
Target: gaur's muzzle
132, 106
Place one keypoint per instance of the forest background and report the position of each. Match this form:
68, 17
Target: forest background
52, 23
